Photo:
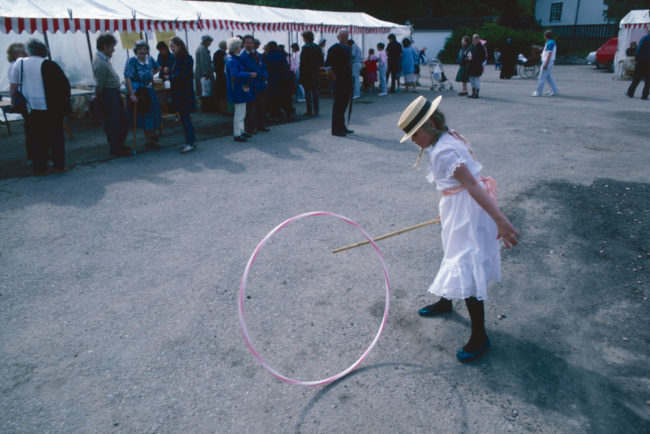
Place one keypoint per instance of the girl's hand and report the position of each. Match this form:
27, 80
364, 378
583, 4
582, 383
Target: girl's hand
506, 232
134, 99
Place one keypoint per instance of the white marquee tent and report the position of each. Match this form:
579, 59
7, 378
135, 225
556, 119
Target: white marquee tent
631, 29
71, 27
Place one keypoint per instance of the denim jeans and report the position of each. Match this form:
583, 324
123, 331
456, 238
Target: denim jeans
188, 128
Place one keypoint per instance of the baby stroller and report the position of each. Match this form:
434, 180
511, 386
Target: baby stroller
529, 68
439, 80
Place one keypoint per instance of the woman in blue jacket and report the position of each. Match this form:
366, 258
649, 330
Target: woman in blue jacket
238, 86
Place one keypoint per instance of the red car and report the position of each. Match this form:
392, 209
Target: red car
606, 53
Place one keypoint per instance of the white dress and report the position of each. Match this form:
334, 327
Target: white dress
471, 251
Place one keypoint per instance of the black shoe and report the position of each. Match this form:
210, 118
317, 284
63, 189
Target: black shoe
442, 306
346, 131
338, 133
628, 94
263, 130
123, 151
240, 139
247, 135
645, 97
152, 145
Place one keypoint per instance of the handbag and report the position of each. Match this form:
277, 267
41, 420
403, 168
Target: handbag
206, 87
142, 93
19, 103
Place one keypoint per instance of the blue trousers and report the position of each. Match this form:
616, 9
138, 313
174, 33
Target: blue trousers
544, 76
188, 128
116, 124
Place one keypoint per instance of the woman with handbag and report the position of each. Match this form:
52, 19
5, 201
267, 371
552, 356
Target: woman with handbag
182, 90
40, 91
138, 75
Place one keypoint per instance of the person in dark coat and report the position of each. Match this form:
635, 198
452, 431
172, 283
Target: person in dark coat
219, 60
477, 56
508, 60
47, 91
394, 52
255, 109
279, 85
240, 89
340, 70
311, 60
182, 90
641, 68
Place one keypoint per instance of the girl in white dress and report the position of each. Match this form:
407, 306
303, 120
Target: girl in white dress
471, 221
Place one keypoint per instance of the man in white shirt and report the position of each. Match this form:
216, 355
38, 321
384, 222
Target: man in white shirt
47, 91
548, 59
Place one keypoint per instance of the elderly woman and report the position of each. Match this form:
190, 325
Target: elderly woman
138, 74
15, 52
47, 91
239, 89
182, 91
409, 61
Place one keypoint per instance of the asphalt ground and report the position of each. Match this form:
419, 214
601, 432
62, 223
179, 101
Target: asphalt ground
120, 278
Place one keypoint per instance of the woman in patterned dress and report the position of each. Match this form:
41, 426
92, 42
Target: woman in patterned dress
138, 73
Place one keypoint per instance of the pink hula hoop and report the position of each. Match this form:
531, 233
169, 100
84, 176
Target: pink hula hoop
242, 290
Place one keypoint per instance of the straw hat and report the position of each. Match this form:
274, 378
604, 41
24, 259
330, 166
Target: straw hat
416, 114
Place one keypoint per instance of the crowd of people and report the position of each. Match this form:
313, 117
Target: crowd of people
260, 86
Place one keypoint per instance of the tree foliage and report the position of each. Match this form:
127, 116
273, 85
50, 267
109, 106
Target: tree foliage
496, 36
617, 9
399, 11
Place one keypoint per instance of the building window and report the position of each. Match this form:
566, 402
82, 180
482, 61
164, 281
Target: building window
556, 12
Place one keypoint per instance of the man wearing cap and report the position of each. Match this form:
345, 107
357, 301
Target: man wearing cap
203, 65
340, 71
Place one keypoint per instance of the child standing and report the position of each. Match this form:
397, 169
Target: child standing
382, 65
471, 220
497, 59
371, 70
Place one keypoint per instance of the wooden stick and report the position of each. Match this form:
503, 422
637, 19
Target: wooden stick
383, 237
135, 125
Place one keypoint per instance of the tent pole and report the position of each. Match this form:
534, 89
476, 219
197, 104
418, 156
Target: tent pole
90, 50
186, 43
47, 42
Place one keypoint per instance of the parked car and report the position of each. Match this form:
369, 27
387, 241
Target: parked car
606, 53
591, 58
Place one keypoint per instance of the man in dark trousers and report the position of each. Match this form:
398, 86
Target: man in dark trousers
254, 120
340, 71
394, 52
641, 68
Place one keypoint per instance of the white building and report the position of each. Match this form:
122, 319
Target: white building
570, 12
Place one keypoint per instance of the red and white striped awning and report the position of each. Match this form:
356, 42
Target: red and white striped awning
637, 26
63, 25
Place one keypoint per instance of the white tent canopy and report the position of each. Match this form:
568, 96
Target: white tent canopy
631, 29
138, 15
72, 25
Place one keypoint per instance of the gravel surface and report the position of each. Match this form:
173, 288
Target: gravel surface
120, 278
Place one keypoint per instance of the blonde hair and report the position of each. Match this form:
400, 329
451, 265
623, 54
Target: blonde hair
234, 44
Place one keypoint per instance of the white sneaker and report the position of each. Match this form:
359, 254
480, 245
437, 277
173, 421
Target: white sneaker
187, 148
535, 94
551, 93
383, 94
